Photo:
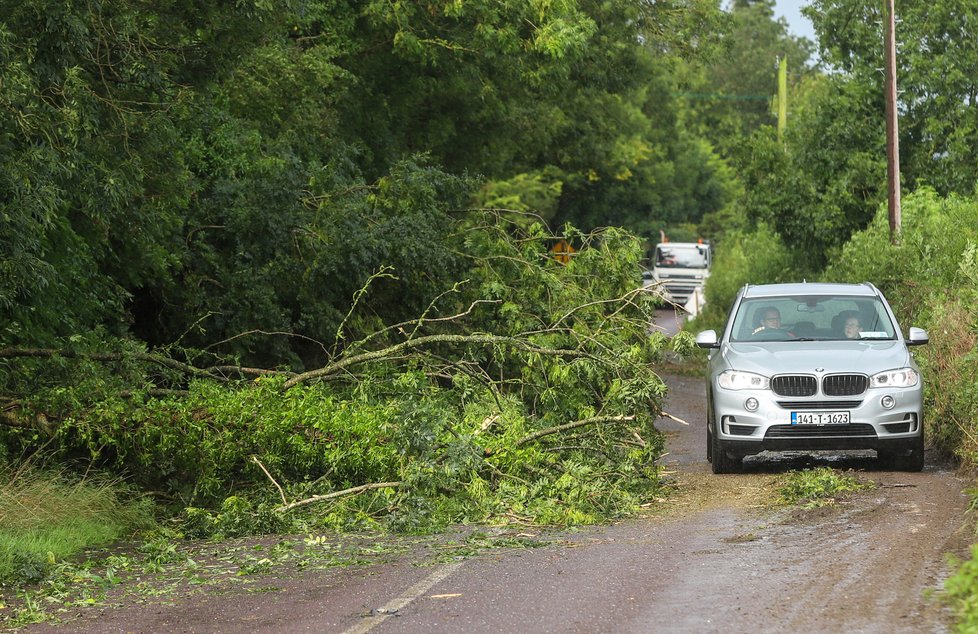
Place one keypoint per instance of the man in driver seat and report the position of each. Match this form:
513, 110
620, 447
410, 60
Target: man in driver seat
770, 319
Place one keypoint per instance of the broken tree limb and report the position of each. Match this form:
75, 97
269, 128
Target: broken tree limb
420, 342
336, 494
218, 373
255, 459
156, 393
13, 414
105, 357
568, 426
415, 324
225, 370
671, 417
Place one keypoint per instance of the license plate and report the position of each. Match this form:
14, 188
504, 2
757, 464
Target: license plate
819, 418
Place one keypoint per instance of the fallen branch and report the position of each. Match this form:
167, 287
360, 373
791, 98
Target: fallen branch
106, 357
235, 369
623, 300
670, 416
255, 459
267, 334
336, 494
567, 426
559, 448
415, 324
218, 373
419, 342
155, 393
13, 414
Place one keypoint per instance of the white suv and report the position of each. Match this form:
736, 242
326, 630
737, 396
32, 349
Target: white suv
813, 366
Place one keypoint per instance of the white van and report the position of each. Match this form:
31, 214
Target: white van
680, 269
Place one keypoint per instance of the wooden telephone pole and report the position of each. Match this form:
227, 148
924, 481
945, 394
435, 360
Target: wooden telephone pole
892, 131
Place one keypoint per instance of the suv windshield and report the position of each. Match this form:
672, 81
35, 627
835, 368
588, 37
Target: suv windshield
816, 317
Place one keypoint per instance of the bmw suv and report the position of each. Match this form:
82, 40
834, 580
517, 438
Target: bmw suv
810, 367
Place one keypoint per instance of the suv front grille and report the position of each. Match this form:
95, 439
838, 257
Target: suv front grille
807, 385
794, 385
820, 404
844, 384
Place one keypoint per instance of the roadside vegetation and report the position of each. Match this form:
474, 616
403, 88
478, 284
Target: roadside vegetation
289, 268
48, 517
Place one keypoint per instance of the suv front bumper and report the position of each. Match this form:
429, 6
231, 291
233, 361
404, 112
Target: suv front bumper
769, 428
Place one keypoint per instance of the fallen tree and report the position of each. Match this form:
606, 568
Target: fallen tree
528, 390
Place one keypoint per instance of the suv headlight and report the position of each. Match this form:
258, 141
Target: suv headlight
904, 377
736, 380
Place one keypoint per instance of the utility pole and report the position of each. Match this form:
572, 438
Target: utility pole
892, 131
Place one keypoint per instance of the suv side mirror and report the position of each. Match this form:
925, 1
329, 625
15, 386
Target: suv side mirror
707, 339
917, 337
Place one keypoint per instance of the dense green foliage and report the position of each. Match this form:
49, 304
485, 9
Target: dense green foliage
937, 67
201, 202
190, 174
932, 279
526, 392
732, 94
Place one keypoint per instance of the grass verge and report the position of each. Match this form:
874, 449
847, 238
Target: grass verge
47, 517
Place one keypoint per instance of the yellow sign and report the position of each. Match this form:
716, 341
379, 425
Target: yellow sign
562, 251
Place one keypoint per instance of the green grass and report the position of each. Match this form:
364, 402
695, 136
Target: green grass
47, 517
816, 487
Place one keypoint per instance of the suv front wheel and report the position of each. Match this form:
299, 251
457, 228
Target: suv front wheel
717, 453
912, 460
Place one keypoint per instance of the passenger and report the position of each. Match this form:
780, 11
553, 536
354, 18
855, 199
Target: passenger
851, 329
770, 320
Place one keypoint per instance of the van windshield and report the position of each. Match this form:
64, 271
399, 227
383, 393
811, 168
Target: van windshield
691, 256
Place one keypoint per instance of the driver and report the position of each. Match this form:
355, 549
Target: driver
770, 320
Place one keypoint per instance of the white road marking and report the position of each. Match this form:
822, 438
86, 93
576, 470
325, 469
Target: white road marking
412, 593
